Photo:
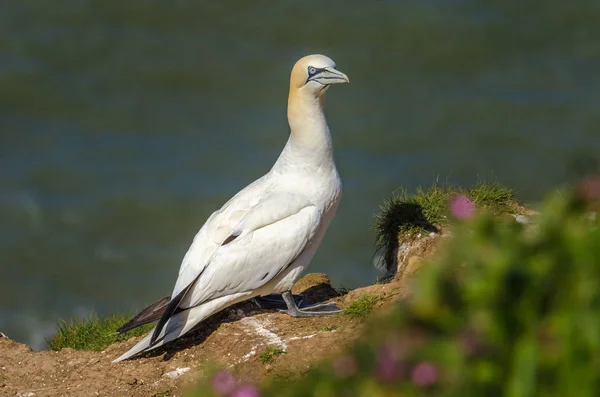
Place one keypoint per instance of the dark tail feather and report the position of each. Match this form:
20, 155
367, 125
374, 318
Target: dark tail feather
168, 312
149, 315
172, 308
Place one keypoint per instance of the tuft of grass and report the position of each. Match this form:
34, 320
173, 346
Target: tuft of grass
271, 351
361, 307
93, 333
384, 279
341, 290
493, 197
427, 210
327, 328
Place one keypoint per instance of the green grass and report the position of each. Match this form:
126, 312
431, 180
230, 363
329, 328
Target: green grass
94, 333
270, 353
361, 307
427, 211
327, 328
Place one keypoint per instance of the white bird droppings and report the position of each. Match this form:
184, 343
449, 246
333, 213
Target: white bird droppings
260, 327
521, 219
301, 337
178, 372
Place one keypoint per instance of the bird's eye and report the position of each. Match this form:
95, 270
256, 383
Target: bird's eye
312, 70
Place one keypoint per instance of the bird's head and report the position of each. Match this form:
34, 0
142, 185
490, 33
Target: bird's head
314, 74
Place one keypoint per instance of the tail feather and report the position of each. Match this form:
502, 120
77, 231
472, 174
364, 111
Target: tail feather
141, 346
149, 315
182, 322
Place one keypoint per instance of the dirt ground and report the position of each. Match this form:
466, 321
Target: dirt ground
234, 338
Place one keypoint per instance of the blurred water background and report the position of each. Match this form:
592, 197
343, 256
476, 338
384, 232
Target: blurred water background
123, 125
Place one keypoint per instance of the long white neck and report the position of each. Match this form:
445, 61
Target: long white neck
310, 143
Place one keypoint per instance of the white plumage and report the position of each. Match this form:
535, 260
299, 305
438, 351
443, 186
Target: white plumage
262, 239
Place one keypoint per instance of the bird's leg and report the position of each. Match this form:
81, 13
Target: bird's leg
275, 301
318, 310
295, 305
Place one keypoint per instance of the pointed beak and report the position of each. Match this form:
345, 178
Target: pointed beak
330, 76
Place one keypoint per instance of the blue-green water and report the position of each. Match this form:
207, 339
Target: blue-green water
123, 125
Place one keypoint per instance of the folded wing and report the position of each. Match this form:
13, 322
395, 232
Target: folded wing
262, 243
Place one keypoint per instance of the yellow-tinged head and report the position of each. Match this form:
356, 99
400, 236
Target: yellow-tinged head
314, 74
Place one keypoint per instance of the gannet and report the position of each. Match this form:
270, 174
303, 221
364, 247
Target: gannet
264, 237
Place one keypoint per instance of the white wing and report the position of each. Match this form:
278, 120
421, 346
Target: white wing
267, 239
216, 229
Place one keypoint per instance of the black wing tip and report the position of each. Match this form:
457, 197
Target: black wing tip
128, 326
172, 309
166, 315
148, 315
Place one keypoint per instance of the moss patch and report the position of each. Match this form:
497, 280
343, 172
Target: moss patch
361, 307
94, 333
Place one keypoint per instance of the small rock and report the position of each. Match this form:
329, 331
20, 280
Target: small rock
310, 280
316, 287
521, 219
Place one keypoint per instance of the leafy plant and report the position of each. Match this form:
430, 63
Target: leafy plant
270, 353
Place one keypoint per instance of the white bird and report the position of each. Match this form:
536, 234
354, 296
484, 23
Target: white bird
263, 238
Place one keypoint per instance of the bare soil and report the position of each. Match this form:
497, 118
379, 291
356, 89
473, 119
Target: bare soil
234, 339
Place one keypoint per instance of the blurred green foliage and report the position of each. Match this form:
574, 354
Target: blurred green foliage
505, 309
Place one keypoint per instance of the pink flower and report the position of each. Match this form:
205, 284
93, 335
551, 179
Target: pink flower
223, 383
246, 391
344, 366
462, 207
388, 366
424, 374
